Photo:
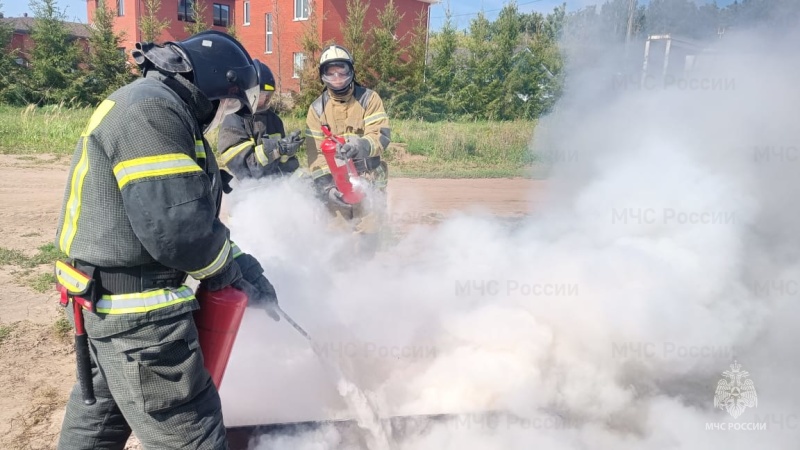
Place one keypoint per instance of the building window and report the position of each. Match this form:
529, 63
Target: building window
299, 61
120, 8
301, 9
268, 20
221, 15
186, 10
246, 14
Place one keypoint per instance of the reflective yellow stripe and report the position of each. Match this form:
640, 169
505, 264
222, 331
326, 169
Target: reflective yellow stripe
372, 147
142, 302
218, 263
154, 166
314, 134
269, 87
199, 149
70, 278
275, 136
374, 118
236, 250
261, 156
233, 151
73, 208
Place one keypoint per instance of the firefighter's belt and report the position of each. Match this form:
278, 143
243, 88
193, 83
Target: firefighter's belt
130, 280
365, 165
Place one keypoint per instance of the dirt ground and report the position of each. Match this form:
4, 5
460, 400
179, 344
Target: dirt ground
37, 365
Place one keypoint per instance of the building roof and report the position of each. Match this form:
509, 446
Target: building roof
24, 24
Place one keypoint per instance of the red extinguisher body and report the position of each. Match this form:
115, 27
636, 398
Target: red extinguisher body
218, 321
343, 170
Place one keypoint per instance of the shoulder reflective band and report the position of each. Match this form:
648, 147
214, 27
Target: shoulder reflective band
314, 134
142, 302
71, 278
154, 166
218, 263
73, 208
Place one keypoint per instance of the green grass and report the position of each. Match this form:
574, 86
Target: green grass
47, 254
45, 130
44, 282
5, 331
62, 329
422, 149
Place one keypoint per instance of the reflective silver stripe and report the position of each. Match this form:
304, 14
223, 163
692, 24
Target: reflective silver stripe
142, 302
314, 134
375, 118
67, 276
218, 263
231, 153
199, 149
153, 166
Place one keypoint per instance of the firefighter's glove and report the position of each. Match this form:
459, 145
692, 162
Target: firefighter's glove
356, 148
329, 194
260, 292
226, 277
290, 144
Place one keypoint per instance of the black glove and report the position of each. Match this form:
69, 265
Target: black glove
328, 193
290, 144
259, 290
356, 148
224, 278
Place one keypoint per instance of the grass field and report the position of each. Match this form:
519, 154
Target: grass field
419, 149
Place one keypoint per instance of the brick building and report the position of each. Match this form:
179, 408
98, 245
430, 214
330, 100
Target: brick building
22, 42
269, 29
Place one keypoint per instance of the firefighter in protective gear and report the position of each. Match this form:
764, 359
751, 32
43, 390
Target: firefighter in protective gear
256, 145
357, 114
140, 213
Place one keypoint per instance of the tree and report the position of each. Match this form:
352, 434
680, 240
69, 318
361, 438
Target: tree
107, 65
55, 57
198, 23
310, 83
442, 72
355, 40
385, 54
9, 70
149, 23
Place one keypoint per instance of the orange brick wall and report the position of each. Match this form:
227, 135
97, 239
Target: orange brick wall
286, 30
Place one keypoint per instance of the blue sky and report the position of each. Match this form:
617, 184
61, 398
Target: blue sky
463, 10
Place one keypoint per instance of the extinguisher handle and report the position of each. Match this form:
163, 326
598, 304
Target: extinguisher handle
84, 368
82, 357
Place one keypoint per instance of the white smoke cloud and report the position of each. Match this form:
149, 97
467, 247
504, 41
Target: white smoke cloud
667, 249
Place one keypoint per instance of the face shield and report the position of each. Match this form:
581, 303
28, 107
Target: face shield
263, 101
226, 106
337, 76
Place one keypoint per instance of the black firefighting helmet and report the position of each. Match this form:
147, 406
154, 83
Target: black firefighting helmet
266, 81
221, 68
337, 56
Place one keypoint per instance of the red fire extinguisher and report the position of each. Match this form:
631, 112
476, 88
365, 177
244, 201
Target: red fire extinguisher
218, 321
343, 170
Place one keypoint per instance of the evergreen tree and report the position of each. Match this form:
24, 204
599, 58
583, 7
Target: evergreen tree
54, 58
149, 23
385, 54
198, 25
107, 65
310, 83
355, 40
9, 69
